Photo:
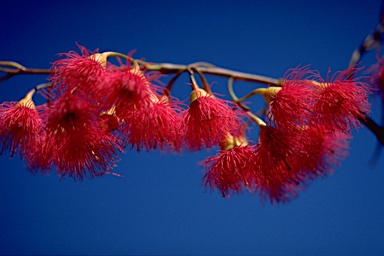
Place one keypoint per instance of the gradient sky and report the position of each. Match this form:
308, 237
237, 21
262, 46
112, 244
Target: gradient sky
160, 206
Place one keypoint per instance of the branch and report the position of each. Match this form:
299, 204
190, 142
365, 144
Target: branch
370, 42
206, 68
18, 69
164, 68
376, 129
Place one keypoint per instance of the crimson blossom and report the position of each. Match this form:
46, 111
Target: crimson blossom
328, 146
341, 101
143, 119
232, 168
76, 143
20, 128
208, 120
128, 89
158, 124
276, 161
85, 72
291, 104
285, 161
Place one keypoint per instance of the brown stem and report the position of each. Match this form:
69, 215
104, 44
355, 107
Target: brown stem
234, 96
193, 80
204, 81
256, 119
18, 69
376, 129
169, 68
371, 41
240, 75
164, 68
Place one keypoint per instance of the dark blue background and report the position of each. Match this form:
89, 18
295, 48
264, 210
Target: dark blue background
160, 206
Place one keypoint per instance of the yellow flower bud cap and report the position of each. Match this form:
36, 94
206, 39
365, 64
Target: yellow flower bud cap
197, 93
26, 103
100, 58
230, 142
269, 93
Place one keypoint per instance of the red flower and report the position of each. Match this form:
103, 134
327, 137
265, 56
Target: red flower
341, 102
85, 72
208, 120
78, 145
20, 127
157, 124
231, 169
286, 161
128, 90
276, 162
40, 157
329, 146
273, 178
291, 104
321, 150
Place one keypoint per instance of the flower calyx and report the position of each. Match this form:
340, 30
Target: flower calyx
269, 93
101, 58
26, 102
230, 142
197, 93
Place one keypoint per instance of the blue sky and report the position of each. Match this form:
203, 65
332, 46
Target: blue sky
160, 206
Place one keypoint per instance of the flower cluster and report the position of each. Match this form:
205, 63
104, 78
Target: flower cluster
96, 109
306, 134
